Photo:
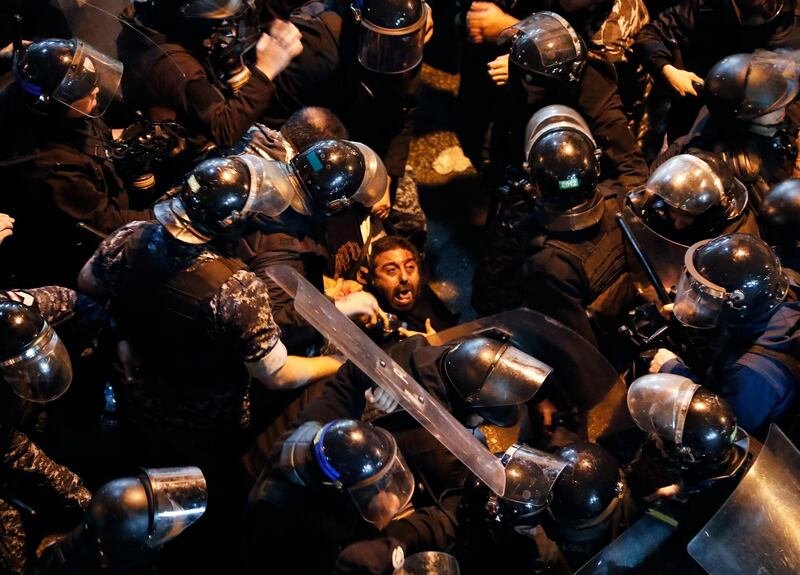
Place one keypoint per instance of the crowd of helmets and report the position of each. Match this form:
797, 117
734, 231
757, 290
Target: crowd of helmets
219, 351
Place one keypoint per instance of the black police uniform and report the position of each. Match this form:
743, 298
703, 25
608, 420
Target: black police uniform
57, 172
597, 99
696, 34
572, 276
165, 78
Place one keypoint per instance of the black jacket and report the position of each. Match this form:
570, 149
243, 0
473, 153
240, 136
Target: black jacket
56, 172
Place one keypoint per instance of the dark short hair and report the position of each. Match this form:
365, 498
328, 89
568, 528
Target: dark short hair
310, 125
388, 243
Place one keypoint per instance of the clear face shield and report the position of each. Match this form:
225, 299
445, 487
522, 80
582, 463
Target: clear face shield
386, 493
686, 183
545, 41
390, 50
756, 12
659, 402
42, 372
699, 302
530, 474
178, 496
514, 379
214, 9
772, 84
376, 181
91, 83
273, 187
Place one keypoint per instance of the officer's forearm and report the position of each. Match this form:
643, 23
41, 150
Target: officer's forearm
301, 371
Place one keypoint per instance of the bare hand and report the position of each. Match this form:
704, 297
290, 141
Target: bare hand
408, 332
382, 209
380, 399
342, 288
6, 226
429, 26
661, 357
485, 22
275, 50
498, 70
682, 81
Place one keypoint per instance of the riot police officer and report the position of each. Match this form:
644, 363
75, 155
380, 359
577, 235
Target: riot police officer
187, 61
335, 483
34, 366
128, 521
748, 97
736, 282
780, 221
575, 267
56, 159
684, 42
548, 64
687, 198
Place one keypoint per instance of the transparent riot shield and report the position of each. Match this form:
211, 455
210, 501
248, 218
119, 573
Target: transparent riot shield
756, 529
322, 314
665, 255
589, 381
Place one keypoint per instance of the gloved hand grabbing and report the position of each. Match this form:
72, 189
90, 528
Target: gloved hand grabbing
363, 308
662, 356
380, 400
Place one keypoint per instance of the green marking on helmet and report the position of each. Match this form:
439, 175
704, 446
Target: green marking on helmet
569, 184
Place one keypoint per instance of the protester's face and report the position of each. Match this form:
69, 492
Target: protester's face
397, 278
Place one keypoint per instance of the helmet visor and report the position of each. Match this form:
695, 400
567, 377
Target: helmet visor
687, 183
772, 83
376, 181
698, 301
272, 186
530, 474
514, 379
391, 50
381, 497
42, 372
91, 83
659, 402
179, 498
756, 12
544, 41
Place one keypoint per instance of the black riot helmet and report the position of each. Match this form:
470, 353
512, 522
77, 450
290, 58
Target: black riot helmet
335, 174
756, 12
564, 166
696, 428
391, 34
545, 48
220, 192
128, 516
732, 279
779, 215
33, 360
743, 87
591, 492
699, 186
493, 377
355, 457
68, 72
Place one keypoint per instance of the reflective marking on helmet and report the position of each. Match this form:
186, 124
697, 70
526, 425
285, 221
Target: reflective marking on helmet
570, 183
193, 184
323, 462
316, 163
